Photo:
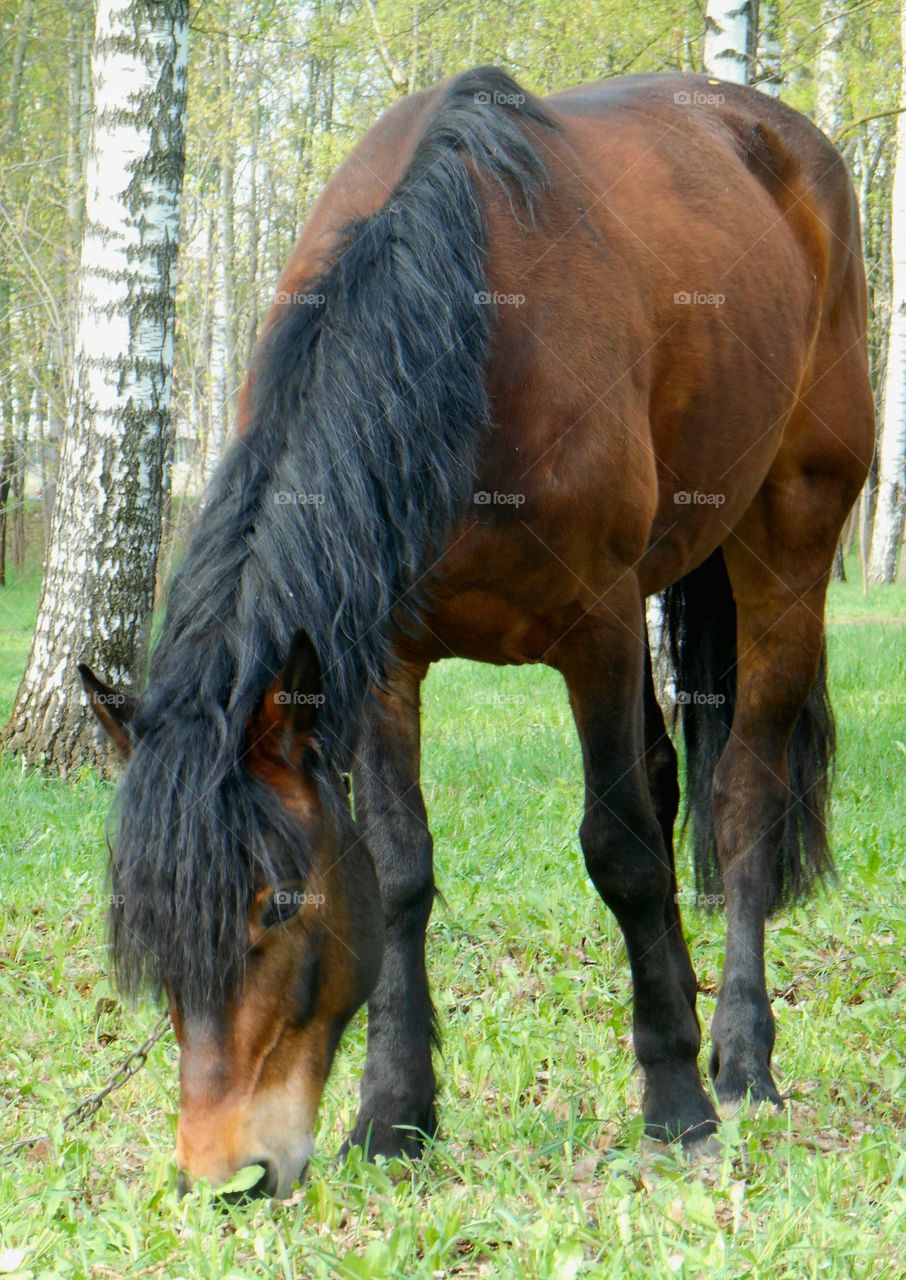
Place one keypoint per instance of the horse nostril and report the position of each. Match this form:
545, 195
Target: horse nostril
267, 1183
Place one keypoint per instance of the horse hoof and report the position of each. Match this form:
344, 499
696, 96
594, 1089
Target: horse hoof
702, 1150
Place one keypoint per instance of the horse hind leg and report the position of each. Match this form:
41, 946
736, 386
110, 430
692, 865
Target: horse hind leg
770, 783
663, 784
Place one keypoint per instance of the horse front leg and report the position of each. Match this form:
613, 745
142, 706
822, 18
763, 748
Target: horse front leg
396, 1110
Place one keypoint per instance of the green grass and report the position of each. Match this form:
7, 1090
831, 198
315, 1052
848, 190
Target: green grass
540, 1169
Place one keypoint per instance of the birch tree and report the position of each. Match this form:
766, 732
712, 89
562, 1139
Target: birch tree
829, 74
100, 566
769, 48
223, 368
729, 39
891, 503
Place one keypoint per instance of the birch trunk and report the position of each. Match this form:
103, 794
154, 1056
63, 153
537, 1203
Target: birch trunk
252, 234
829, 68
79, 105
891, 501
729, 39
99, 571
769, 48
224, 376
7, 451
21, 447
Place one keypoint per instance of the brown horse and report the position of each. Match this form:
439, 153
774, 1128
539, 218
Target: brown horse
529, 364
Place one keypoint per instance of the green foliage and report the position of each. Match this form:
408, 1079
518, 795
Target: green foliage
540, 1169
299, 85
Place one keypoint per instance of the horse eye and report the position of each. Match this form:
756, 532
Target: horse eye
283, 905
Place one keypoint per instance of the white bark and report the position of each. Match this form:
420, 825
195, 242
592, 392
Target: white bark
100, 568
729, 39
889, 512
217, 372
829, 74
769, 52
223, 364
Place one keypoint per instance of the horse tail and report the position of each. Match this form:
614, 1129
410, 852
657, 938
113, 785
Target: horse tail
700, 623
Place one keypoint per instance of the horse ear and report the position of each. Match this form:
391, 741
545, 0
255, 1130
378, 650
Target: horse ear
114, 710
293, 701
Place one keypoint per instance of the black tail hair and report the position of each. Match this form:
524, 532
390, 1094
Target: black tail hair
700, 617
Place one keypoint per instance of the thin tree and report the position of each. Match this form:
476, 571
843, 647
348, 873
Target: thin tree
730, 34
891, 504
830, 96
99, 572
829, 68
224, 369
769, 79
8, 137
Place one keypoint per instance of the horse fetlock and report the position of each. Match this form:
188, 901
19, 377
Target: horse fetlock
384, 1127
675, 1105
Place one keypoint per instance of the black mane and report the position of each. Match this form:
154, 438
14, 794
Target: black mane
369, 399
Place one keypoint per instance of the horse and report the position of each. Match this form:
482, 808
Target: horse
530, 364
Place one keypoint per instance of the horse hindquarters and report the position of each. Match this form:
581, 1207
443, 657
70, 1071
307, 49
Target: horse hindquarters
758, 762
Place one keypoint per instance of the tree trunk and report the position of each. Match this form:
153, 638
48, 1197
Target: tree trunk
729, 39
98, 587
7, 450
7, 460
50, 453
203, 400
8, 138
79, 106
829, 80
17, 491
253, 233
891, 499
769, 79
224, 371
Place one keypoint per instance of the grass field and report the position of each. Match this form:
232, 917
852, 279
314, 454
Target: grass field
540, 1169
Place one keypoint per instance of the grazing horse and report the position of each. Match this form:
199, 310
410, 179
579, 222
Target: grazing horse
530, 363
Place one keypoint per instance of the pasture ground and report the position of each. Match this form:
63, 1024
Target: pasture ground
540, 1169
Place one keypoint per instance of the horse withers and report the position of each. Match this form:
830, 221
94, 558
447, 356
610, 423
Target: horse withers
531, 362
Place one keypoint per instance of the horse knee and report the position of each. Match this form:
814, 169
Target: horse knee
625, 858
406, 880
